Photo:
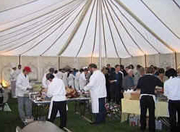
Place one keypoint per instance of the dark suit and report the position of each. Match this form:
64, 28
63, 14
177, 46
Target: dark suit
116, 87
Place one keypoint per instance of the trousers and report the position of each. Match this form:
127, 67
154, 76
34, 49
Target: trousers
174, 108
147, 103
24, 107
101, 116
61, 107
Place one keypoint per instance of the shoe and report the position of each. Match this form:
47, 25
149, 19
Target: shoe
25, 122
64, 129
94, 123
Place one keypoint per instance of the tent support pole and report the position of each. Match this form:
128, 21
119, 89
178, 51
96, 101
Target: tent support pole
91, 60
175, 60
59, 62
39, 68
19, 60
145, 60
120, 61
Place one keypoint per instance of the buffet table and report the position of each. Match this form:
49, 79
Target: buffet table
133, 107
68, 100
131, 104
40, 107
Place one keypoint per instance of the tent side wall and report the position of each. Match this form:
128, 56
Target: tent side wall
40, 65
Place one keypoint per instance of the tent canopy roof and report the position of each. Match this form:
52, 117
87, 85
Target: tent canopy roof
89, 28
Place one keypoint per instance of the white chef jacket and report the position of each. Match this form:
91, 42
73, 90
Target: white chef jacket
97, 88
18, 71
82, 80
65, 79
13, 75
59, 75
22, 84
71, 80
172, 88
45, 82
77, 80
56, 90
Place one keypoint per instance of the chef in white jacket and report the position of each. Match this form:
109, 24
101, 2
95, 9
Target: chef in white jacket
13, 78
65, 79
78, 73
56, 91
71, 79
45, 82
60, 74
82, 79
97, 88
22, 88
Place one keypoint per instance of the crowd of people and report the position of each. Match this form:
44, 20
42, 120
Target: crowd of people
71, 78
106, 85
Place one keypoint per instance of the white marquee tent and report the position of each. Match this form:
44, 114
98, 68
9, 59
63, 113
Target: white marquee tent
89, 28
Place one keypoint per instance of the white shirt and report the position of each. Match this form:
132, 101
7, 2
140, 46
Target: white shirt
56, 90
22, 84
97, 84
77, 76
172, 88
65, 79
59, 75
82, 80
77, 80
71, 80
45, 82
18, 71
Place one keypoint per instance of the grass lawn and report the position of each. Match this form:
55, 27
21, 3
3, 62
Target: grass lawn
9, 121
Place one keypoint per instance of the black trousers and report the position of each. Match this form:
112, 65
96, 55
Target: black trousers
101, 116
108, 93
147, 103
116, 94
174, 108
61, 107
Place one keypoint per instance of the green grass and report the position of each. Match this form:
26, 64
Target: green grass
9, 121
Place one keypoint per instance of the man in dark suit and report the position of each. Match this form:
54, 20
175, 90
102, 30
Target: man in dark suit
116, 79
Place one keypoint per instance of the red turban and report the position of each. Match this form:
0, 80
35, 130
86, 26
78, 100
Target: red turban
27, 68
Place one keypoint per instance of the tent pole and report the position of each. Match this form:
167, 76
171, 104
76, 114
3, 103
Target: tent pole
59, 62
19, 59
175, 60
145, 60
77, 62
120, 61
38, 66
92, 59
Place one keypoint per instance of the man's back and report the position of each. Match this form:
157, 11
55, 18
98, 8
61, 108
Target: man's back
99, 83
147, 84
